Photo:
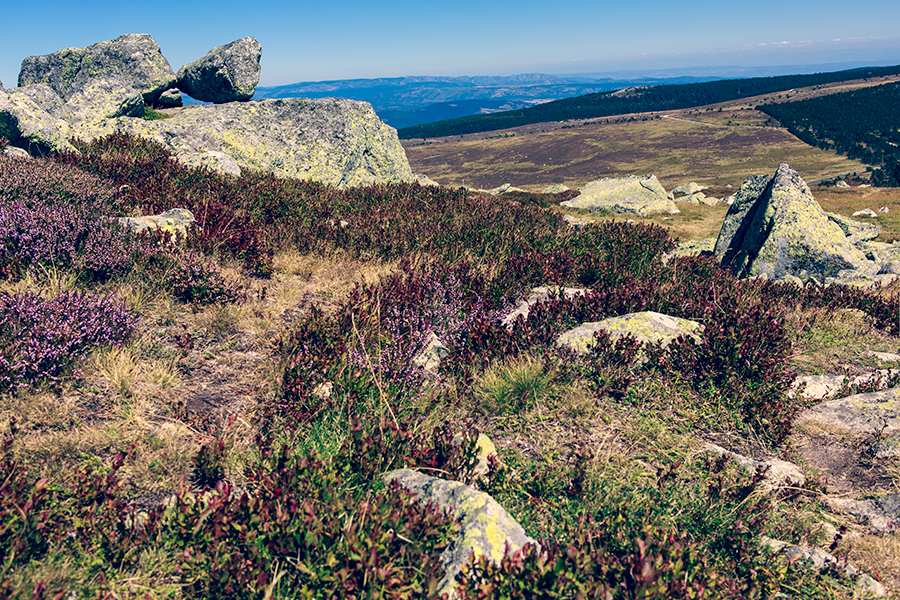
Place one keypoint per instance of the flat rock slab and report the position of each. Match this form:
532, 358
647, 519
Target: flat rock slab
881, 515
486, 527
646, 327
639, 195
869, 413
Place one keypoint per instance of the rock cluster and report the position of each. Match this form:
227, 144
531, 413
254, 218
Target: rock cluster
105, 88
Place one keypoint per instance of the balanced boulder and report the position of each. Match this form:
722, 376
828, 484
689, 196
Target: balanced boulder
639, 195
776, 229
228, 73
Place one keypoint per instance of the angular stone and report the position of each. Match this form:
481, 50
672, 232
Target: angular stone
646, 327
228, 73
639, 195
775, 228
779, 473
556, 188
485, 527
688, 189
130, 61
819, 559
170, 99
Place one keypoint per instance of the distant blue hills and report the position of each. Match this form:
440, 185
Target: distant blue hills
408, 101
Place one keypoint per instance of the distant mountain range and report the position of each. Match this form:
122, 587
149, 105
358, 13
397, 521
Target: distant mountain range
406, 101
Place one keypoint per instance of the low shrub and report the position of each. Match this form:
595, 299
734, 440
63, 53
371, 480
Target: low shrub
41, 340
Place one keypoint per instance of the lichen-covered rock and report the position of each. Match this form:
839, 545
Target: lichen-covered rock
228, 73
175, 221
639, 195
429, 359
332, 140
646, 327
776, 228
692, 248
860, 414
132, 61
485, 527
556, 188
27, 125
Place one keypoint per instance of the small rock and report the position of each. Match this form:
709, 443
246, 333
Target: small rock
539, 294
485, 527
866, 212
430, 358
556, 188
174, 221
779, 473
170, 99
16, 152
648, 326
860, 414
842, 184
883, 209
641, 195
884, 356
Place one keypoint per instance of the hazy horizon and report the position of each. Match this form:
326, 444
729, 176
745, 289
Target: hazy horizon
352, 39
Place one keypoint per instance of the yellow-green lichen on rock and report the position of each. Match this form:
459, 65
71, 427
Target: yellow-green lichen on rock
485, 527
776, 229
639, 195
861, 414
176, 222
646, 327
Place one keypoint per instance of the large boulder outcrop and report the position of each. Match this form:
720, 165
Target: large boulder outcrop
92, 92
776, 229
130, 63
639, 195
228, 73
332, 140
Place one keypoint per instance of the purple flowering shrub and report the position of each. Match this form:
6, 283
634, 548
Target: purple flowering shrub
41, 340
52, 217
195, 280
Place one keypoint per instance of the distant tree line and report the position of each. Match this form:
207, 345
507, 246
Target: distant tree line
650, 99
862, 124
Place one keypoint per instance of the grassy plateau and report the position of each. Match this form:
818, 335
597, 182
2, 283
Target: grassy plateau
210, 416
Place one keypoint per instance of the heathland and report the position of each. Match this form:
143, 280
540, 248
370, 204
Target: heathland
212, 416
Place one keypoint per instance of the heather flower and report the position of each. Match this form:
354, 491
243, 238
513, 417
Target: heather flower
41, 340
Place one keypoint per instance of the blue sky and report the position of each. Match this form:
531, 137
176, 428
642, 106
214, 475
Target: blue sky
343, 39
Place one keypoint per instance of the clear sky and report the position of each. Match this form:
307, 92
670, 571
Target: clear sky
320, 40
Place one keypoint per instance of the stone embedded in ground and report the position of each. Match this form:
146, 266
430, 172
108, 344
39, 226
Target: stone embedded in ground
688, 189
556, 188
639, 195
817, 387
539, 294
646, 327
776, 228
429, 359
866, 212
228, 73
779, 473
131, 61
880, 515
693, 248
175, 221
485, 527
860, 414
26, 124
821, 560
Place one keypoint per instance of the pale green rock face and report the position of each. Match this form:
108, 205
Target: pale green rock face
175, 222
332, 140
775, 228
485, 526
638, 195
646, 327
